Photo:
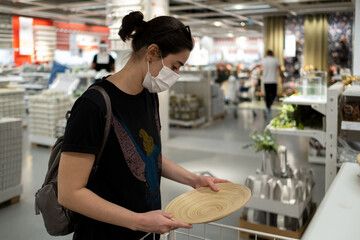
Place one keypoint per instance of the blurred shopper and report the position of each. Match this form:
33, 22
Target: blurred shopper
103, 60
271, 67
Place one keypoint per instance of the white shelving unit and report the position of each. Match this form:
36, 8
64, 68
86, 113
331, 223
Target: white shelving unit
352, 126
196, 122
10, 158
307, 132
268, 205
318, 103
332, 108
328, 106
198, 83
46, 110
6, 32
12, 102
45, 42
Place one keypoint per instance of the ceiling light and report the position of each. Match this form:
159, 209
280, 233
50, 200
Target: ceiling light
6, 9
91, 7
242, 7
218, 23
242, 24
230, 35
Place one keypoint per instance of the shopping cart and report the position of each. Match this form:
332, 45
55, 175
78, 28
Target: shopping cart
216, 231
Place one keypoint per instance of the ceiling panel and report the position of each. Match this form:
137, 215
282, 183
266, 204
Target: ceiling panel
211, 17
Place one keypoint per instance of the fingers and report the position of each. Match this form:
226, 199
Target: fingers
168, 215
213, 181
219, 180
173, 224
212, 185
176, 224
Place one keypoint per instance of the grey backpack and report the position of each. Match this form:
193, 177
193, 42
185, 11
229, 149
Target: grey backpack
59, 220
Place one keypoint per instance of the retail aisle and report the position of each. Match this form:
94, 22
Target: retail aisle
215, 149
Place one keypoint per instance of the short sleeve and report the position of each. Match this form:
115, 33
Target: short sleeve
85, 128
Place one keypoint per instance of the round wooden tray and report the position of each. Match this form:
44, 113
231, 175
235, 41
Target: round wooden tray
204, 205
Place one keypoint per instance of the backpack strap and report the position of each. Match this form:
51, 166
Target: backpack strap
108, 117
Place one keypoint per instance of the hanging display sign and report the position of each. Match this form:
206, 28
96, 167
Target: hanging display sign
74, 50
87, 42
26, 36
290, 45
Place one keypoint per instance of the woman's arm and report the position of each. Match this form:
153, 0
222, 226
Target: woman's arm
73, 176
179, 174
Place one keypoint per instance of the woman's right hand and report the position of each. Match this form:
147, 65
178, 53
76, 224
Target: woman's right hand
158, 222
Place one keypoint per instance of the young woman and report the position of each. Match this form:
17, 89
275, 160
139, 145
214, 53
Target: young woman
122, 200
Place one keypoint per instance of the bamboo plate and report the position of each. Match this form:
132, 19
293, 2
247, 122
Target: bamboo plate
204, 205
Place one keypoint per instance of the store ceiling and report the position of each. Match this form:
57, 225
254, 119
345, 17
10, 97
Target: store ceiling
217, 18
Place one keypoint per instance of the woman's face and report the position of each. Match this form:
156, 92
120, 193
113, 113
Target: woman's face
172, 61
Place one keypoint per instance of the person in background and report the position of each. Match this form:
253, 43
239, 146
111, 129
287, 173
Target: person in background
271, 67
123, 199
103, 60
344, 54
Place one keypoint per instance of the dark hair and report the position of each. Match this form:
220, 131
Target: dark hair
269, 53
170, 34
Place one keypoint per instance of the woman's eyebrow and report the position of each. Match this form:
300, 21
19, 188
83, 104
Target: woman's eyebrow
181, 64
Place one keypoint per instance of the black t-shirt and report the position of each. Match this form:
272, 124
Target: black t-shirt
106, 66
129, 169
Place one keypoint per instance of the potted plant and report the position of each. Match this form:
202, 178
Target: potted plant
265, 142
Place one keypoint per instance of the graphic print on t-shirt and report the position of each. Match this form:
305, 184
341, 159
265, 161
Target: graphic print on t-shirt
143, 166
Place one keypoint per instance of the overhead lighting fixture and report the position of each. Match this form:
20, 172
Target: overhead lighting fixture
230, 35
242, 24
6, 9
218, 23
258, 11
242, 7
92, 7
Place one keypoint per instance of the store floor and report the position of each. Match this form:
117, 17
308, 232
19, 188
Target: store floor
214, 149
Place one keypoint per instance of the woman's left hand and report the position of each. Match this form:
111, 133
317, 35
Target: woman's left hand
207, 181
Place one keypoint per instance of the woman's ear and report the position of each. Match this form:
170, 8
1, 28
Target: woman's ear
152, 53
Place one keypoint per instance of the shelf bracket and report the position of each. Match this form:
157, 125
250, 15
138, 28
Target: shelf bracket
321, 108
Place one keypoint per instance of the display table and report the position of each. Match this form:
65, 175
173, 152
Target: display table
338, 214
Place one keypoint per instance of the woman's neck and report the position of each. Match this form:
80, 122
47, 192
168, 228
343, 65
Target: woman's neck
130, 78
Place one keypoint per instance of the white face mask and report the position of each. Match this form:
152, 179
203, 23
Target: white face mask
164, 80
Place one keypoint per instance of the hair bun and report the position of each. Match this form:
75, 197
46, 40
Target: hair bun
134, 21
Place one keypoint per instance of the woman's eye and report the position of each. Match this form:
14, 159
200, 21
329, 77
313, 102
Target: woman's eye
174, 68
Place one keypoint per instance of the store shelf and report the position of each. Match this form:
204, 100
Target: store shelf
278, 207
352, 126
196, 122
42, 140
35, 74
10, 193
316, 102
11, 79
307, 132
352, 91
305, 100
198, 82
315, 159
33, 86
